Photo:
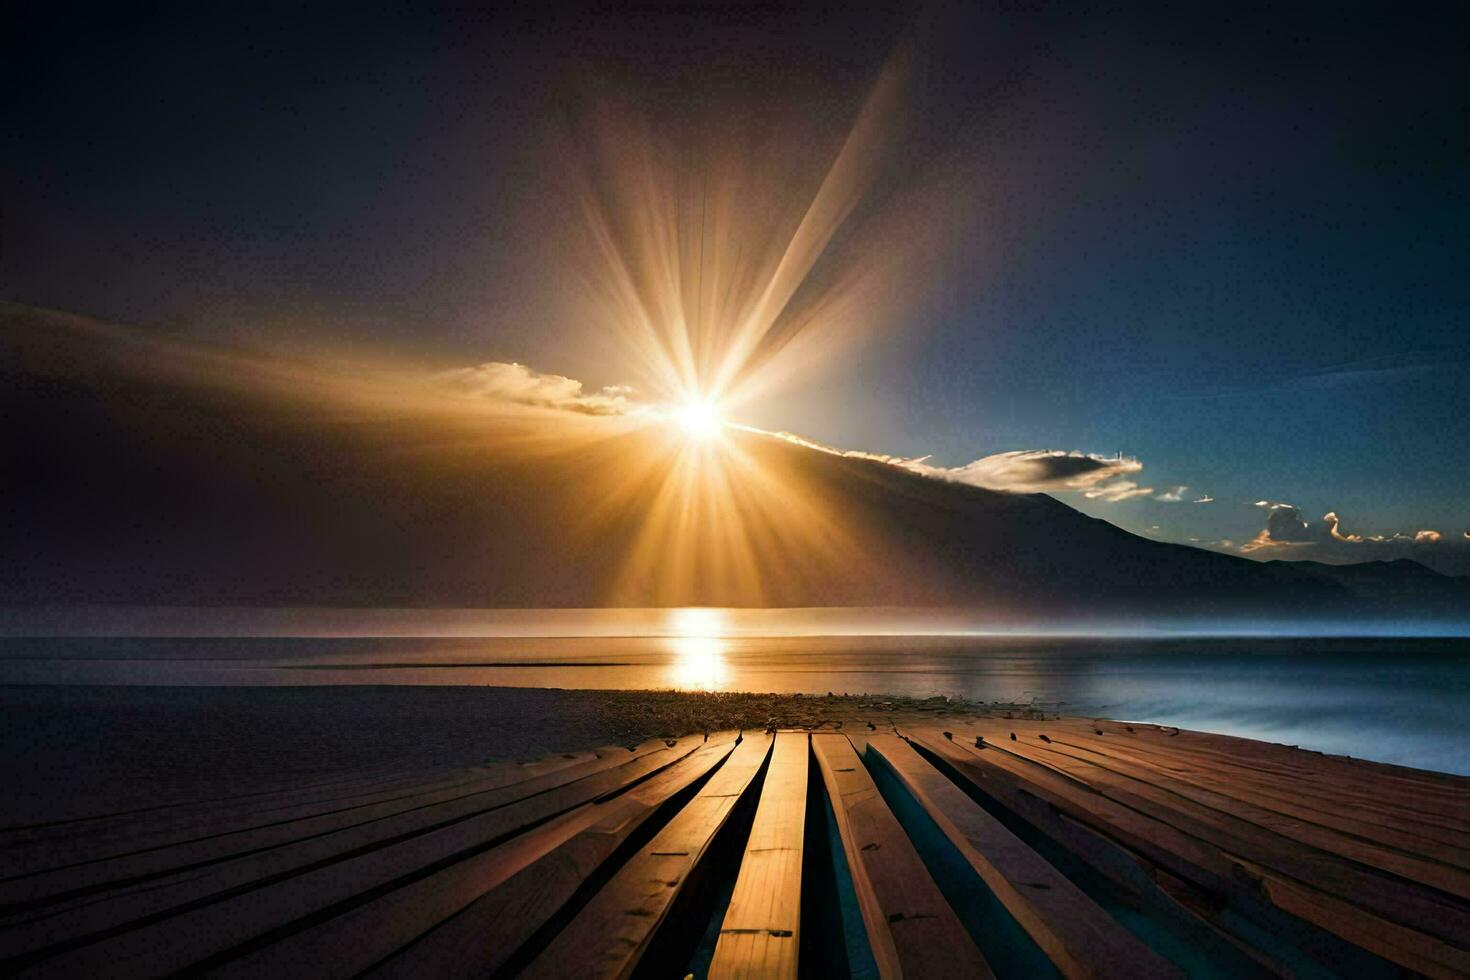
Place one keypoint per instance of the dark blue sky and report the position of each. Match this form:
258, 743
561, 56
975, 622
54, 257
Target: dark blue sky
1233, 242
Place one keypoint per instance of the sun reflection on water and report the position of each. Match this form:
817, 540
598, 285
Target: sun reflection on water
698, 646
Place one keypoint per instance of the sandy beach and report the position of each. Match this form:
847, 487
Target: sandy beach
75, 751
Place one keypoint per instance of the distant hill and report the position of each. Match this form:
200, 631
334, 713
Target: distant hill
139, 470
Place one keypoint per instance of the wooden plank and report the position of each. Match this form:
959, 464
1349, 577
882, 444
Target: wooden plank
1385, 773
1076, 934
910, 926
1391, 898
103, 835
1188, 909
1335, 795
761, 933
155, 829
485, 907
146, 863
108, 901
479, 940
1412, 793
290, 790
44, 846
91, 822
1407, 832
611, 934
276, 891
997, 770
1367, 850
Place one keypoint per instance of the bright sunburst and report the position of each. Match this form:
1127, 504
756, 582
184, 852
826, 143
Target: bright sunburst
699, 419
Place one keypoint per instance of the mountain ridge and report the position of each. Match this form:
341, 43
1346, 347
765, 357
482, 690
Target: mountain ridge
150, 471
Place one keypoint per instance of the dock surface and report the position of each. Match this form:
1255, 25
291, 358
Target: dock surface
967, 846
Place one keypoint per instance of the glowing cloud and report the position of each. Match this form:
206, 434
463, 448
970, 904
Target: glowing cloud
1041, 470
1288, 533
518, 383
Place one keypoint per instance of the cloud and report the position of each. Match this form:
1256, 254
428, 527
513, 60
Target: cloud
1042, 470
1048, 471
1284, 528
1288, 534
1116, 491
1173, 496
517, 383
1019, 471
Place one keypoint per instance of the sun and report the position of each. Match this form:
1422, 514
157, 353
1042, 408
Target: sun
699, 419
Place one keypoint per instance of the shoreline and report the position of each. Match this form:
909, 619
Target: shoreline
71, 751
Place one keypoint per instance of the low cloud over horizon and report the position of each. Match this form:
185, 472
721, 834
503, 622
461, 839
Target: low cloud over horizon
1288, 535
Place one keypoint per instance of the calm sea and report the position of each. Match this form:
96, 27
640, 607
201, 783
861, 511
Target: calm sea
1392, 699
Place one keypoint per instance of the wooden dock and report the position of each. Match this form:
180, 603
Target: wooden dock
959, 847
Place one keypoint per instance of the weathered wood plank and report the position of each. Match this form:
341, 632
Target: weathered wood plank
103, 835
910, 926
264, 830
1406, 832
249, 902
1187, 909
90, 822
485, 906
610, 935
479, 940
1415, 794
999, 771
1391, 898
1079, 937
761, 933
1386, 773
111, 902
41, 847
1355, 847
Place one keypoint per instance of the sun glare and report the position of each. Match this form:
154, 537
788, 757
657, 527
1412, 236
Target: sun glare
699, 648
699, 420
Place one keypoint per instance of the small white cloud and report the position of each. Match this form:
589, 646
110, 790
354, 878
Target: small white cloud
1173, 496
1116, 491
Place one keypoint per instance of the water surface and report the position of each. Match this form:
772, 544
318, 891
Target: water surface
1401, 700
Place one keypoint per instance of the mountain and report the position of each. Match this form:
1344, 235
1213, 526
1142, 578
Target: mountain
147, 470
